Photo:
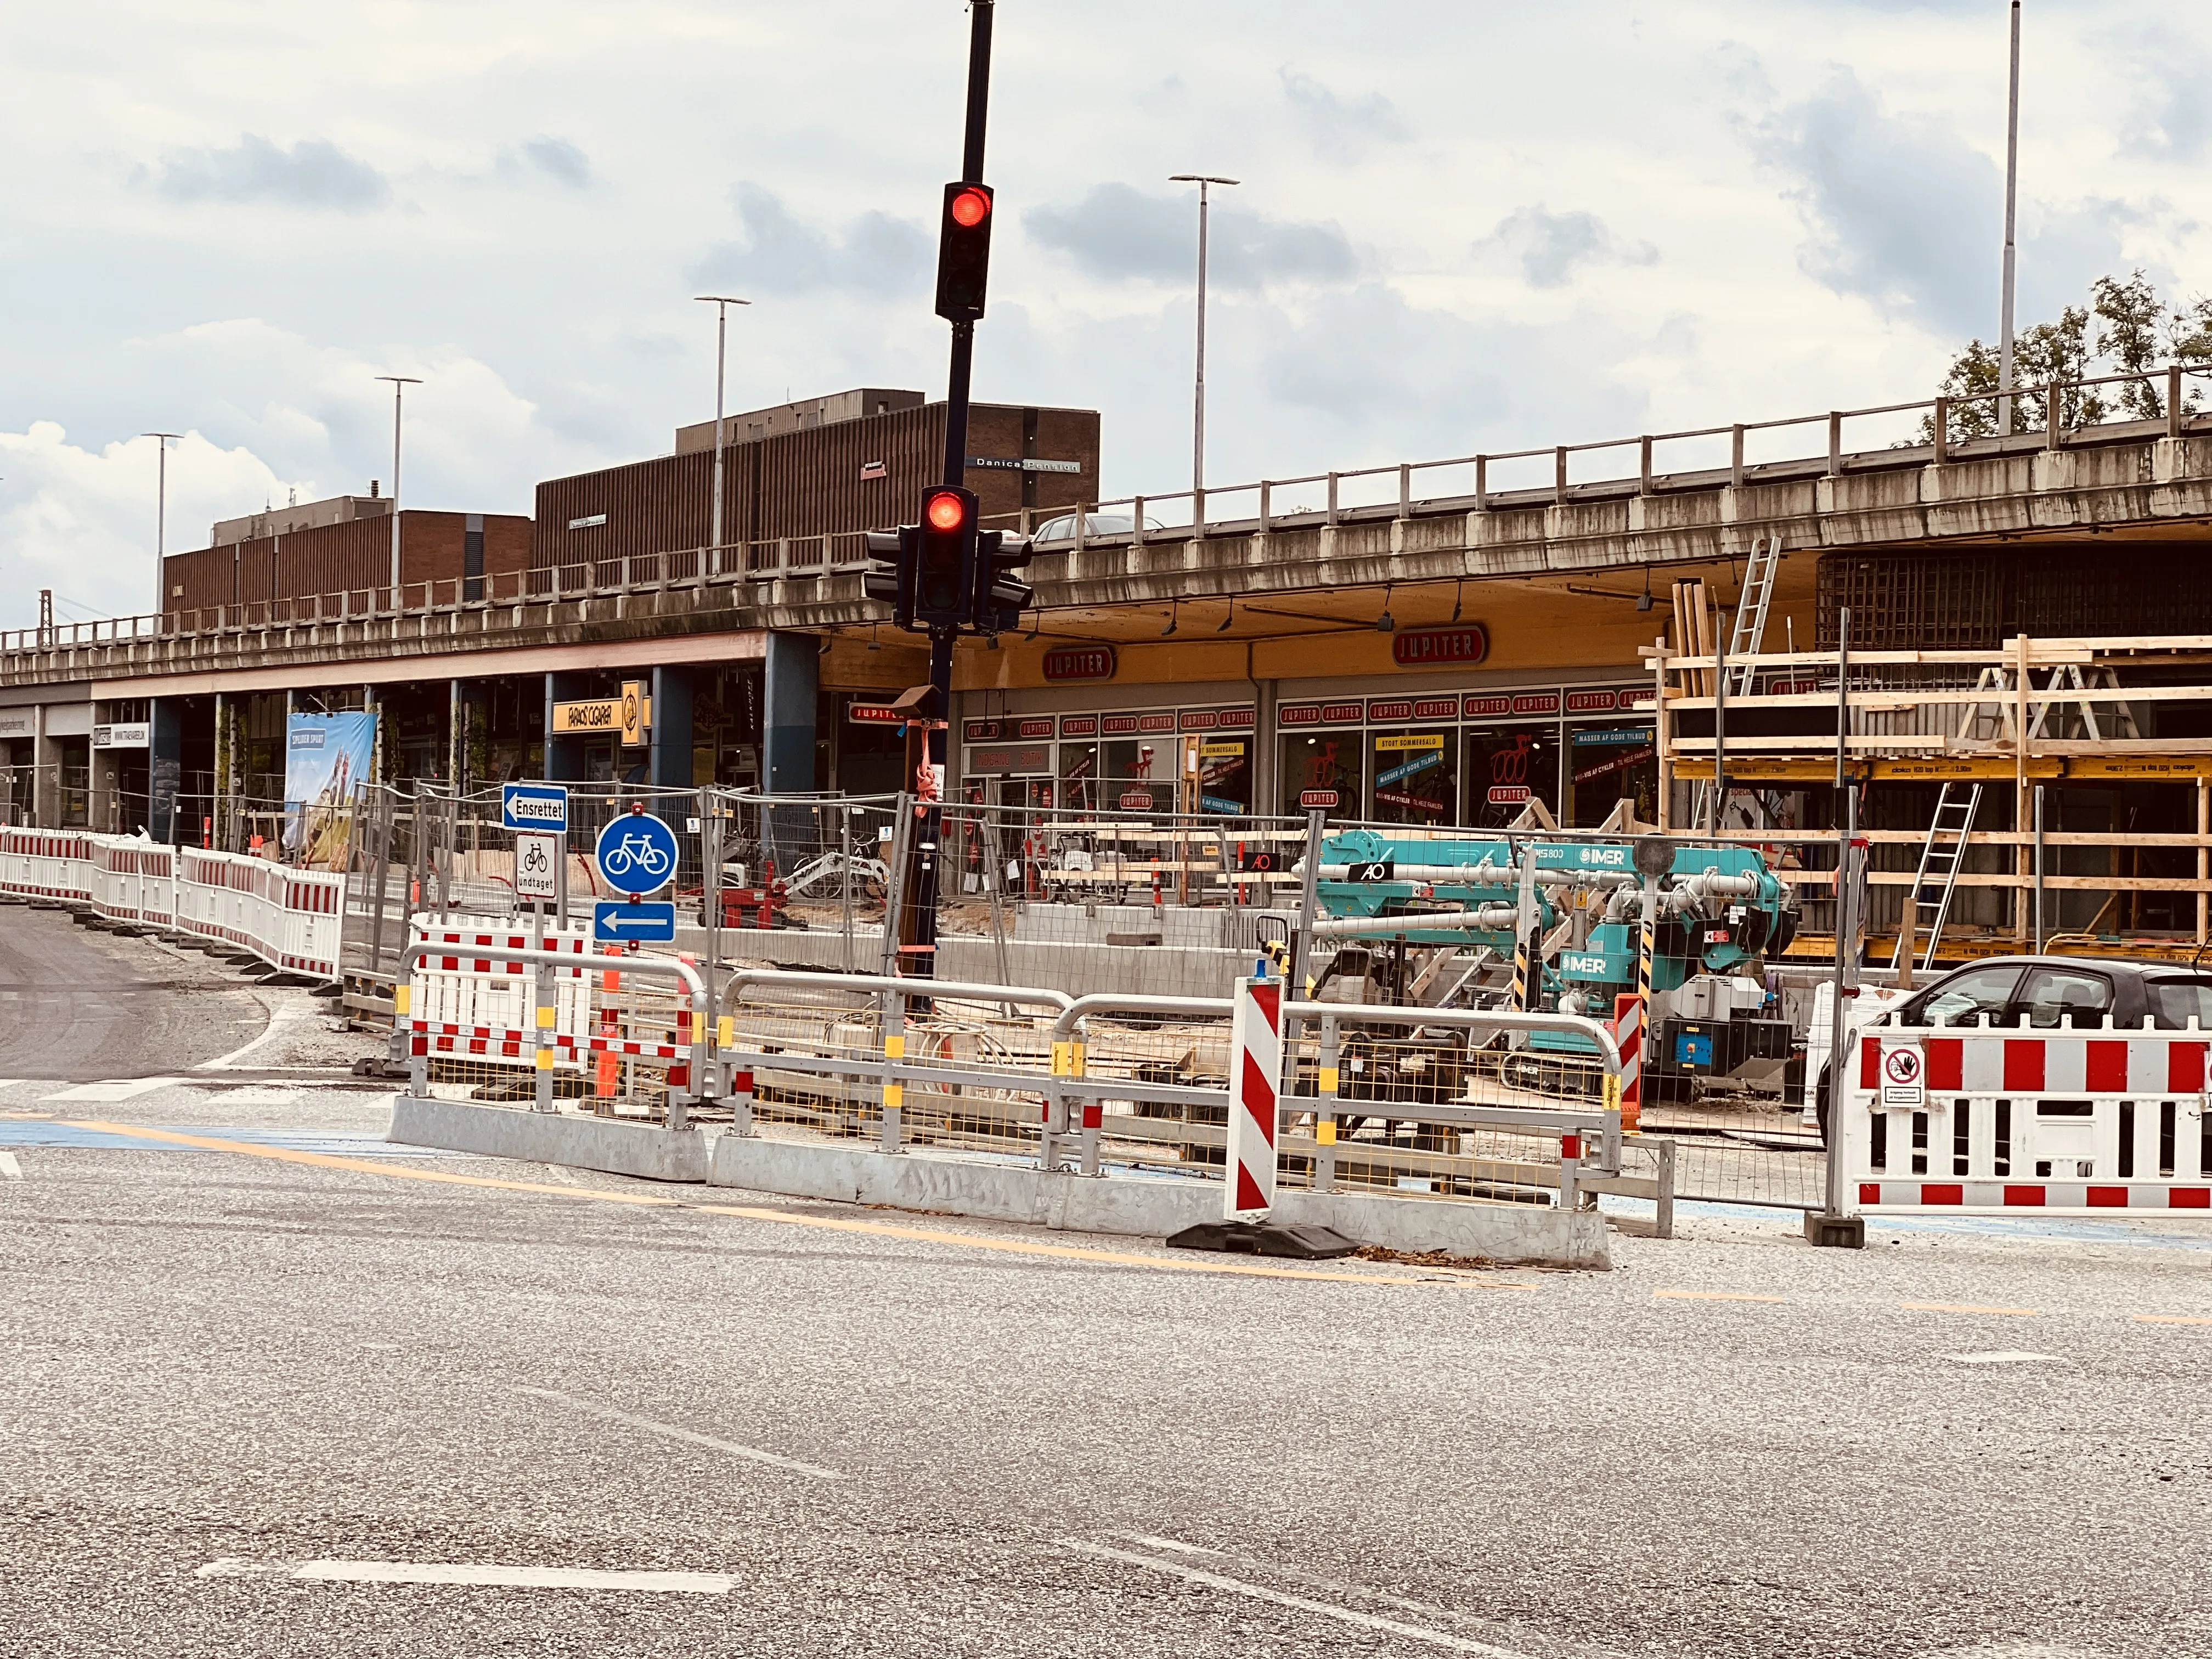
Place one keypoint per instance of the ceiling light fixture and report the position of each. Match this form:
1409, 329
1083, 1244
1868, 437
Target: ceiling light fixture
1643, 602
1229, 617
1458, 593
1386, 623
1175, 618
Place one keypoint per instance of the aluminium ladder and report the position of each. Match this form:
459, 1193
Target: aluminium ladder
1954, 816
1744, 641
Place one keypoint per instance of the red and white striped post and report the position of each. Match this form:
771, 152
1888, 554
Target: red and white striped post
1628, 1033
1256, 1070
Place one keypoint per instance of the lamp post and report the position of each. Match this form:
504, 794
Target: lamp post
399, 385
1197, 414
721, 302
161, 517
2012, 191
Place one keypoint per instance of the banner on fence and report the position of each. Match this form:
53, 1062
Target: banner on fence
325, 757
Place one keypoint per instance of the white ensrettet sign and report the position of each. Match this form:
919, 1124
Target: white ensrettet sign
1903, 1075
537, 864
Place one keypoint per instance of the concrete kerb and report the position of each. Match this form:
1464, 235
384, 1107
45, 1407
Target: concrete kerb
1146, 1206
613, 1145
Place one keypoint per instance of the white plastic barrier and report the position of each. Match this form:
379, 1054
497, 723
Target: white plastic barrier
54, 864
134, 881
2090, 1120
291, 919
474, 1004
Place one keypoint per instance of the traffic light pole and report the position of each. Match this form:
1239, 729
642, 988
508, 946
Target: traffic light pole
964, 333
918, 953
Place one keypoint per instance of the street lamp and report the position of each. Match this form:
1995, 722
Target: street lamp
1198, 417
2012, 192
721, 302
399, 385
161, 515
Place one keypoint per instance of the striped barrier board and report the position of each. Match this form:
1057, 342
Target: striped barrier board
1628, 1034
1255, 1063
2097, 1119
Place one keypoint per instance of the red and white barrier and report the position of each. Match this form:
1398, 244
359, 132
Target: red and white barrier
1256, 1073
2092, 1120
291, 919
1628, 1035
476, 1003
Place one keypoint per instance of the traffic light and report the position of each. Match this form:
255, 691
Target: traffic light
944, 566
964, 252
1001, 596
891, 581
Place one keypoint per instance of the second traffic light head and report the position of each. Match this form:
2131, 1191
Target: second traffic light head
944, 567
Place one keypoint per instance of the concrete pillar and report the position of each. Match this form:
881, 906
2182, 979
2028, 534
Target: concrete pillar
1267, 793
46, 775
564, 756
670, 736
791, 683
456, 736
374, 705
165, 770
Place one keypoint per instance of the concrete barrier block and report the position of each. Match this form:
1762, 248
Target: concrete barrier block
643, 1149
1146, 1207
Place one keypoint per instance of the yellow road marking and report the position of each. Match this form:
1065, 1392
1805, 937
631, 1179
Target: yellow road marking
1967, 1308
1713, 1296
2171, 1319
880, 1229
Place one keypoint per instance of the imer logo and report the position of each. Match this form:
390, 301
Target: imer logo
1602, 858
1584, 967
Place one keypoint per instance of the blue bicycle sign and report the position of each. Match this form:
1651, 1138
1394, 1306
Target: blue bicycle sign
636, 854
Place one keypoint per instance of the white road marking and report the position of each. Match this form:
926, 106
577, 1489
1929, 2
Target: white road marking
2006, 1357
120, 1089
283, 1019
1259, 1592
472, 1572
1317, 1580
10, 1170
673, 1431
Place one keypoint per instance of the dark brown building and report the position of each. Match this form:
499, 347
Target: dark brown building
341, 546
832, 468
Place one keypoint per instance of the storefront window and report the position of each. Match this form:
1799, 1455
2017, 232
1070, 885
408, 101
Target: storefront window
1140, 766
1416, 777
1610, 763
1324, 762
1224, 775
1079, 777
1507, 769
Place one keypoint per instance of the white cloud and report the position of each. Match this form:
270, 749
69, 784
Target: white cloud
1490, 224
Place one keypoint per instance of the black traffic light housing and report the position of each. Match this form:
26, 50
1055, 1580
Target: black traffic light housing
945, 562
891, 582
964, 251
1001, 596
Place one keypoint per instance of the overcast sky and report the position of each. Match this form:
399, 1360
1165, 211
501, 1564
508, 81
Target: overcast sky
1465, 224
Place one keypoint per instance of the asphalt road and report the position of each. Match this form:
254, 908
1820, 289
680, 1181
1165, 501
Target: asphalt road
82, 1005
246, 1384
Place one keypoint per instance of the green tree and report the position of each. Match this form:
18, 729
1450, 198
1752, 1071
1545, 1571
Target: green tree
2125, 329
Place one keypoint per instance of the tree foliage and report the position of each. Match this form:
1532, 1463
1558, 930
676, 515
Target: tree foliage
2125, 329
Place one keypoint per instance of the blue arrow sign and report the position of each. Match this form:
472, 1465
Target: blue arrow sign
533, 806
620, 921
636, 854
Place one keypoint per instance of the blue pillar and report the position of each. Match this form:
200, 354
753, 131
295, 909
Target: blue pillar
790, 686
670, 732
164, 767
564, 756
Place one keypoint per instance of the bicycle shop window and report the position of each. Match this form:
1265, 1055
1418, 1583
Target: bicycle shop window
1140, 766
1224, 775
1507, 767
1416, 777
1319, 764
1608, 765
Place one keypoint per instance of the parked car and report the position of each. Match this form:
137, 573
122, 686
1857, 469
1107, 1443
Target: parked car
2036, 993
1062, 529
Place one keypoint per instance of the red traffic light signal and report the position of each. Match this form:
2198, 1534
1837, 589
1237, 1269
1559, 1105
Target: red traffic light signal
964, 251
945, 510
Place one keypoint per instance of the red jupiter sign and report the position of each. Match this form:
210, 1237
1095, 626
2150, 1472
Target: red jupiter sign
1078, 662
1440, 647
